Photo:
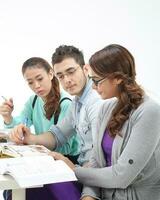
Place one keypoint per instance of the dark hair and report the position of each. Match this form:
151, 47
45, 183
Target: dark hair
64, 51
53, 98
115, 61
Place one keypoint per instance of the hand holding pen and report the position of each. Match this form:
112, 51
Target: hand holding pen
20, 134
6, 109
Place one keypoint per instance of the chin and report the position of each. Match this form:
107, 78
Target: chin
103, 96
71, 92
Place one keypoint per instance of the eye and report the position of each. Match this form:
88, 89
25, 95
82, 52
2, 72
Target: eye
71, 71
60, 77
30, 83
40, 79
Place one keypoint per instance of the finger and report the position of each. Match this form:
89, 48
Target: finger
26, 133
17, 132
20, 131
57, 156
7, 107
11, 102
14, 138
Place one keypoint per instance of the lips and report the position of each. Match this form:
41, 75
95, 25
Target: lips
40, 92
70, 87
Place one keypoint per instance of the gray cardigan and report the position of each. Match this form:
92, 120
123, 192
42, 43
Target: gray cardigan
135, 170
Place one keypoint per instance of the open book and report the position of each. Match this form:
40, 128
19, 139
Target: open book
10, 150
36, 169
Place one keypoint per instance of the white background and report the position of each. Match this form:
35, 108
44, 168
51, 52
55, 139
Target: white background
36, 27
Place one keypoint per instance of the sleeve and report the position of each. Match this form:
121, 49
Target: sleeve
25, 113
92, 111
139, 149
71, 147
91, 191
64, 129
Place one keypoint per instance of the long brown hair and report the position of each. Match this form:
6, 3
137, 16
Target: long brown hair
115, 61
53, 98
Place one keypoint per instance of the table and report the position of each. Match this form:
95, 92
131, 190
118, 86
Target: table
8, 183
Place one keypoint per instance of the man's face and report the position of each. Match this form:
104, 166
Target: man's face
71, 76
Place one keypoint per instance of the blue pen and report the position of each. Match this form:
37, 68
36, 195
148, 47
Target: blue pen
4, 98
25, 121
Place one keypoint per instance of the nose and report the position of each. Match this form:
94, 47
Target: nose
36, 84
67, 79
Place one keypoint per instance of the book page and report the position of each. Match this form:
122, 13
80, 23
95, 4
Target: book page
32, 171
4, 135
14, 150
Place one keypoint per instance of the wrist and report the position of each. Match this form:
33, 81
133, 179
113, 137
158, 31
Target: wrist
7, 120
31, 139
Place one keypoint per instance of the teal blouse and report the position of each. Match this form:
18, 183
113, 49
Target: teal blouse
41, 124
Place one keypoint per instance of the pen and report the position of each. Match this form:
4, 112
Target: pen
25, 121
4, 98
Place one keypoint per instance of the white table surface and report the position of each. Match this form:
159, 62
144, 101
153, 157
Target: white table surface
8, 183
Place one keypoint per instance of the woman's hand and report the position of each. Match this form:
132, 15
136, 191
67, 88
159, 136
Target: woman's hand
21, 135
59, 156
88, 198
6, 110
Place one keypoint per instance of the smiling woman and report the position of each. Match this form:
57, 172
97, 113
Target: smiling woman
125, 159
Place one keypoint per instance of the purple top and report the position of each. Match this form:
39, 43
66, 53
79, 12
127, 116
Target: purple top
107, 143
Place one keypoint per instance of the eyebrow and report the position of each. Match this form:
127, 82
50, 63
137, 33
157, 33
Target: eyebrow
38, 76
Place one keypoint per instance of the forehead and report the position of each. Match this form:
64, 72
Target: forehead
33, 71
65, 65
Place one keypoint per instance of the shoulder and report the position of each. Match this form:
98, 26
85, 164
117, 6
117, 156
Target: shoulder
30, 100
92, 98
65, 94
31, 97
35, 102
93, 102
149, 108
107, 106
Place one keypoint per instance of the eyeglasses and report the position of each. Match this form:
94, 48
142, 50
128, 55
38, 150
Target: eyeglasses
70, 72
97, 82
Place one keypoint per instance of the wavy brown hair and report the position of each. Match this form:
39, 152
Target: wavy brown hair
115, 61
53, 98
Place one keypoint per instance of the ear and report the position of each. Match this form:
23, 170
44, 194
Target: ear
51, 74
118, 81
86, 69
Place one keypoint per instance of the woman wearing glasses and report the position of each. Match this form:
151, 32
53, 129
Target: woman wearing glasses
125, 162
